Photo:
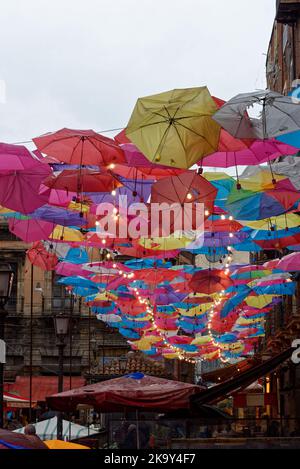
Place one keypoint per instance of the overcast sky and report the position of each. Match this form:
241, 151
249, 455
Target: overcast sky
83, 64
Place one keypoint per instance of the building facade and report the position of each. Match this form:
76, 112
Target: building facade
283, 57
29, 328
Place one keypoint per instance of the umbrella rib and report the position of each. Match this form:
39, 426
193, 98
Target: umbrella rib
196, 133
179, 136
162, 142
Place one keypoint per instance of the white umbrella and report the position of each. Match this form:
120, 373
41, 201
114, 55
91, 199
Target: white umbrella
277, 115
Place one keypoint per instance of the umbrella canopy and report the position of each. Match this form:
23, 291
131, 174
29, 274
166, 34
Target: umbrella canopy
210, 281
59, 444
290, 263
81, 147
186, 188
40, 257
12, 440
260, 151
82, 181
135, 391
14, 183
175, 128
47, 429
30, 230
278, 115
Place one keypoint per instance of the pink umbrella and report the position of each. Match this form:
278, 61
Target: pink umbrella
260, 151
290, 263
57, 197
68, 269
21, 174
16, 157
271, 264
30, 230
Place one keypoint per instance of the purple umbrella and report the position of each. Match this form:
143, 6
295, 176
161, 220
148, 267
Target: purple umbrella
58, 215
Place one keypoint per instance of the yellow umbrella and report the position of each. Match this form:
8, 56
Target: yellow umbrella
175, 128
259, 301
289, 220
202, 340
60, 444
165, 244
198, 310
64, 233
245, 321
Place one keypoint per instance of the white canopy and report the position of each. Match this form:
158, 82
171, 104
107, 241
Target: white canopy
47, 430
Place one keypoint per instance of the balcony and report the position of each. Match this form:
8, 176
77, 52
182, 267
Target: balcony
287, 11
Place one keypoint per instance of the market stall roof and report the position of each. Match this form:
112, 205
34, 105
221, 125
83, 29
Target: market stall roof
12, 400
220, 391
42, 386
135, 390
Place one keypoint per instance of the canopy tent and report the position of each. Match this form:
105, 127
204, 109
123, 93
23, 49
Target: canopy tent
135, 391
47, 430
10, 400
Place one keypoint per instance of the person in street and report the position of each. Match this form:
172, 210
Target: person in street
130, 441
30, 432
144, 432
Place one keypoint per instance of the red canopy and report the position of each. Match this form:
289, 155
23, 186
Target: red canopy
146, 392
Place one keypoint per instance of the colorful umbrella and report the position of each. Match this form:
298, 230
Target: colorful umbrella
175, 128
81, 147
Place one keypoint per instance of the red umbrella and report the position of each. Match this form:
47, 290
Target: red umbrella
135, 391
145, 173
279, 243
80, 147
222, 225
186, 188
40, 257
210, 281
84, 180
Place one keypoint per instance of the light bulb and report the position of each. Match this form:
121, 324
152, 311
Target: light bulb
230, 235
223, 217
189, 196
112, 166
231, 218
108, 255
97, 223
115, 210
206, 213
113, 192
103, 241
